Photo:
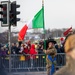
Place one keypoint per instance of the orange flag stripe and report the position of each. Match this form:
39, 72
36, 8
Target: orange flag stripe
22, 33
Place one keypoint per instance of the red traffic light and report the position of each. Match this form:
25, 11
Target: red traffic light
4, 8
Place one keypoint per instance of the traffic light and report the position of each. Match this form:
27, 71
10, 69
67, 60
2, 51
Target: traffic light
4, 14
14, 13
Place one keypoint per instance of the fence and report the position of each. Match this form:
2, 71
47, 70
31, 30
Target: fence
20, 63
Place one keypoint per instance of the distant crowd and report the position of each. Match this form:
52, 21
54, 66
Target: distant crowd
29, 51
27, 48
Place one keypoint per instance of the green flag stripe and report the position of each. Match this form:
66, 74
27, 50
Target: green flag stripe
38, 20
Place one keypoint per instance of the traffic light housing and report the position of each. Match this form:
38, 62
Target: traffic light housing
14, 13
4, 13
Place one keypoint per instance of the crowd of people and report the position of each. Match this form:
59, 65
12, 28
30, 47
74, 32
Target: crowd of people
30, 51
23, 48
27, 48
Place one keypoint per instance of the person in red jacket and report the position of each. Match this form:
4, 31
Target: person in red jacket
32, 53
26, 52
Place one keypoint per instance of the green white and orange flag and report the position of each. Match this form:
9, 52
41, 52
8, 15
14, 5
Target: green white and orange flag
36, 22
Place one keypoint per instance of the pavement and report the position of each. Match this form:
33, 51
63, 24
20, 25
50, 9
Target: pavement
29, 73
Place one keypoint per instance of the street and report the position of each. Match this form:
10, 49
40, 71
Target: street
29, 73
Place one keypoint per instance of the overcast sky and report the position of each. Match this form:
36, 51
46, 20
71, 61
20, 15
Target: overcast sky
58, 13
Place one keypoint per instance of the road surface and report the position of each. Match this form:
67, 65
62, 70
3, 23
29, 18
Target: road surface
29, 73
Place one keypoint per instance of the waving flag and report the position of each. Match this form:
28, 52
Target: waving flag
36, 22
67, 31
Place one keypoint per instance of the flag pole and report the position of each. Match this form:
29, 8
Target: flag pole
42, 3
43, 14
43, 24
44, 30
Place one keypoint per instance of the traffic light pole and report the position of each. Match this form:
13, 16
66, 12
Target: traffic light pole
13, 21
9, 17
9, 41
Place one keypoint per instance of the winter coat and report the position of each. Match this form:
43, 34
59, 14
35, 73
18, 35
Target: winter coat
2, 52
32, 52
26, 52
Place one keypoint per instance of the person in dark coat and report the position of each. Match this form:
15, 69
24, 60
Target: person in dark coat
13, 48
2, 63
69, 46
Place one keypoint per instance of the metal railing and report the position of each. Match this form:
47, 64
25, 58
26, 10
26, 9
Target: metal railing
29, 62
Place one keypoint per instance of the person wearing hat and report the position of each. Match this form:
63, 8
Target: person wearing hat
50, 56
69, 46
